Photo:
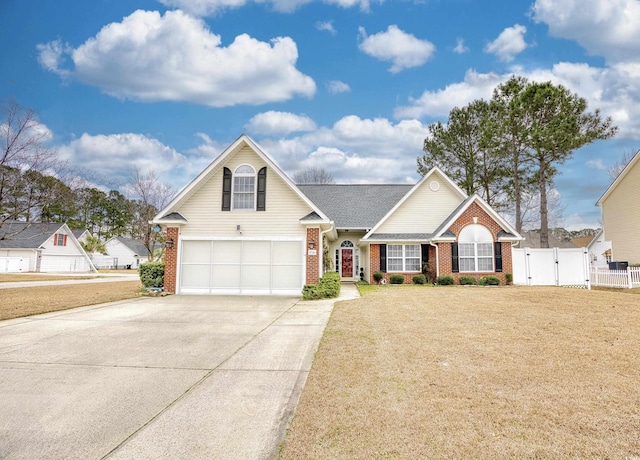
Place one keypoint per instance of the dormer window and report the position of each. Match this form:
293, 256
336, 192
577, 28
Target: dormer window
244, 189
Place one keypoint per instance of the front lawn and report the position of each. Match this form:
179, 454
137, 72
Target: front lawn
507, 372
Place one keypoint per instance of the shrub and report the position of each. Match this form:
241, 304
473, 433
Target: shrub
377, 276
419, 279
396, 279
152, 274
467, 280
489, 281
328, 288
444, 280
509, 278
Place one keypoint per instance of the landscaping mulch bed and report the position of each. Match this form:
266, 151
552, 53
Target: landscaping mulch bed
472, 372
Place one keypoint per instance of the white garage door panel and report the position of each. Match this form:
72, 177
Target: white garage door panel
241, 267
60, 263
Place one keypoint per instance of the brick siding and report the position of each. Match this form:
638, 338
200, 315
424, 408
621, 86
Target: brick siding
313, 262
171, 261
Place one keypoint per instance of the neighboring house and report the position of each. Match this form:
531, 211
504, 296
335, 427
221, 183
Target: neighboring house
599, 248
127, 253
620, 205
81, 234
243, 227
39, 247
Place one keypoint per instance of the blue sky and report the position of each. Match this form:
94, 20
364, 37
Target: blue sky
348, 85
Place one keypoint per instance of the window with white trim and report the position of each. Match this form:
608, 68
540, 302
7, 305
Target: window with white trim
60, 239
244, 188
403, 257
475, 249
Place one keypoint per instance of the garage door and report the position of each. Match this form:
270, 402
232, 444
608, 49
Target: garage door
241, 267
62, 263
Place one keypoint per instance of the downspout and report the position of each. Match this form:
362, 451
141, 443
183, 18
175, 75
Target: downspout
437, 258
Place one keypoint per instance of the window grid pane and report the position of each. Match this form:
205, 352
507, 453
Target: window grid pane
467, 265
394, 250
412, 265
485, 264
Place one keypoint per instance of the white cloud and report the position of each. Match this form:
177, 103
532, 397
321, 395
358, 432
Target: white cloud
509, 43
337, 87
175, 57
608, 28
614, 90
326, 26
460, 48
213, 7
596, 164
110, 159
403, 50
279, 123
355, 150
440, 102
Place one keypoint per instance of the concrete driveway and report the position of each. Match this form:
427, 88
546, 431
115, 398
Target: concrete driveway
173, 377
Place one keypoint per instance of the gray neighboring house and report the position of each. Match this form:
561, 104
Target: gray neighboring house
41, 247
128, 253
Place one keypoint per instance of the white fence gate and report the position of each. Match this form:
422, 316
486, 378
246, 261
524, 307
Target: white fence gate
551, 267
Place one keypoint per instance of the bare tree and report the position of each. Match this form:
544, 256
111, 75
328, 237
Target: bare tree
24, 158
313, 175
149, 196
615, 170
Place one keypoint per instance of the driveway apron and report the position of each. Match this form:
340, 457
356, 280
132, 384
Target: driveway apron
175, 377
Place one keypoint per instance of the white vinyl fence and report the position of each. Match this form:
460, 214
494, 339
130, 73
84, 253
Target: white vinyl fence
551, 267
629, 278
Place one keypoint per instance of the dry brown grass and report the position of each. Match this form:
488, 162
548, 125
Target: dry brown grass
19, 302
511, 372
25, 277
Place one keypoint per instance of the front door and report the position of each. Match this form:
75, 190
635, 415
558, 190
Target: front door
347, 263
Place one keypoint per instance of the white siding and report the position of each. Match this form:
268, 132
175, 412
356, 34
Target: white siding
122, 253
284, 208
424, 210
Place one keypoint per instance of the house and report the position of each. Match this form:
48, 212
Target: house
243, 227
126, 252
620, 205
598, 246
41, 247
81, 234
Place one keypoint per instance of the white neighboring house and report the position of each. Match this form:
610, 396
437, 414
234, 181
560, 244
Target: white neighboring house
128, 252
599, 250
40, 247
81, 234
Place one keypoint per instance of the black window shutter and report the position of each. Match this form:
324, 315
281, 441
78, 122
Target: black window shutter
498, 255
383, 258
455, 267
425, 255
226, 190
262, 190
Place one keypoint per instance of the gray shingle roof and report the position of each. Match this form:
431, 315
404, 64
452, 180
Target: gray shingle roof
173, 216
22, 235
401, 236
355, 205
136, 246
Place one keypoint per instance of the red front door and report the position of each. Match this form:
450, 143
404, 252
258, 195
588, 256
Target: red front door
347, 263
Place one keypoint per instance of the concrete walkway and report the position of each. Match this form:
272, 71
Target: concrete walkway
175, 377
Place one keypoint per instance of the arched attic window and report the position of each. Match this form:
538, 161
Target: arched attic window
244, 188
475, 249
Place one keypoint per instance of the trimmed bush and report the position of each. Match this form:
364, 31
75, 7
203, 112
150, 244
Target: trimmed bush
444, 280
396, 279
419, 279
467, 280
509, 278
377, 277
152, 274
489, 281
328, 288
